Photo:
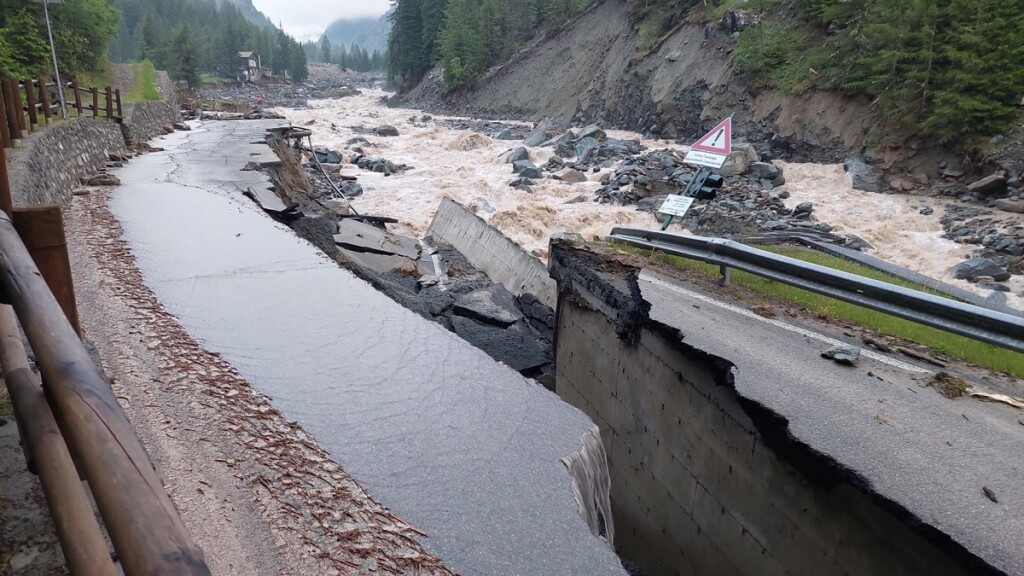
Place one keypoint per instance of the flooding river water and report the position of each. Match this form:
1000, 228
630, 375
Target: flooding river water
465, 165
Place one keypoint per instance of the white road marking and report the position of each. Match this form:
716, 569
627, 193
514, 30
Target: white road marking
646, 277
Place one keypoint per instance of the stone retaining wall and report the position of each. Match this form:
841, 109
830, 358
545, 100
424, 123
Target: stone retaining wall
49, 164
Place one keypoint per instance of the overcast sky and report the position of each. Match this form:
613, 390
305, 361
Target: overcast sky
307, 19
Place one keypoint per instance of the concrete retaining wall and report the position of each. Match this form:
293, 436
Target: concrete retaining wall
695, 488
492, 252
50, 164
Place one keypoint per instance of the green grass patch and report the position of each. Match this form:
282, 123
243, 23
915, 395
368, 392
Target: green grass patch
951, 345
144, 88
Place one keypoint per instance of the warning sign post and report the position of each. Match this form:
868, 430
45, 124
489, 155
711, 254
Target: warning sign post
710, 150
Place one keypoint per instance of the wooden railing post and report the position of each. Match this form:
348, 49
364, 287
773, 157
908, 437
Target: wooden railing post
42, 231
10, 112
44, 98
110, 101
78, 95
144, 526
5, 131
117, 97
30, 105
6, 201
19, 110
95, 101
85, 550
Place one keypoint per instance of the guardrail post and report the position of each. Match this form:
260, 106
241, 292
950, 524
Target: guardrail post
78, 95
44, 97
110, 101
42, 231
30, 105
726, 278
95, 101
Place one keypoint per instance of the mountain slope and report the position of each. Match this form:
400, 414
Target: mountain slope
371, 34
252, 14
589, 70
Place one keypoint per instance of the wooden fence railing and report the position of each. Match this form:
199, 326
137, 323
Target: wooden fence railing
29, 105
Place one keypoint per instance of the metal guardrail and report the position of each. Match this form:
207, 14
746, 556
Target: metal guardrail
73, 421
975, 322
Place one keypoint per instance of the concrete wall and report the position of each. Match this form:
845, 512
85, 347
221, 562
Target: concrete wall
491, 251
49, 164
695, 489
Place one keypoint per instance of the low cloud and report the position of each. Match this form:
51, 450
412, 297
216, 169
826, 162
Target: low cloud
307, 19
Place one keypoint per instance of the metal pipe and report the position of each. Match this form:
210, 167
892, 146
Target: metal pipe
85, 551
53, 52
144, 526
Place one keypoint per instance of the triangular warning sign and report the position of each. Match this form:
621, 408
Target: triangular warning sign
718, 141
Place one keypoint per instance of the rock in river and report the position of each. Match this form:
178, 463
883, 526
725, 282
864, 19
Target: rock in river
974, 268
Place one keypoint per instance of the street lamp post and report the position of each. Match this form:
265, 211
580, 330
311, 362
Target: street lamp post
53, 53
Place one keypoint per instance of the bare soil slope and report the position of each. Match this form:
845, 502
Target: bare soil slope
589, 70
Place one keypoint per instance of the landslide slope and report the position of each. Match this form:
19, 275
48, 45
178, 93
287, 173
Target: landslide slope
589, 70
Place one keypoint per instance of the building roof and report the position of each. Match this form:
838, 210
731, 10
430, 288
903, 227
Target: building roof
246, 54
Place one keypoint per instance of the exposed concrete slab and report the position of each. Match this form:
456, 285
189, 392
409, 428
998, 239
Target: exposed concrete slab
461, 447
492, 252
362, 237
493, 305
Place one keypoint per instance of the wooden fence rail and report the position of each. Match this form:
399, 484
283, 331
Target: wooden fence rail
30, 105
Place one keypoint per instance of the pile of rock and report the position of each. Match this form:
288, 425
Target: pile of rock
381, 165
999, 235
983, 272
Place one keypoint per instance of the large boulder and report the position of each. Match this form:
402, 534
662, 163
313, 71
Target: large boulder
864, 176
526, 169
585, 148
515, 155
538, 136
974, 268
386, 130
595, 132
989, 186
1010, 205
764, 170
735, 164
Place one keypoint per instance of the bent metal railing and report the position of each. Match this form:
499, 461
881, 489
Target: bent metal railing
975, 322
73, 427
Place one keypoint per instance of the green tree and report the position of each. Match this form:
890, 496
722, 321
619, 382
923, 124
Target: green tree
149, 41
326, 52
979, 83
27, 54
182, 52
407, 62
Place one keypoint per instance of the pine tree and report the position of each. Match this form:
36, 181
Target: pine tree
149, 42
326, 51
405, 42
980, 82
183, 53
27, 52
432, 18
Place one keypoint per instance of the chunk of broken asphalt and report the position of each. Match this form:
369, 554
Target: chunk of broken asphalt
843, 354
493, 305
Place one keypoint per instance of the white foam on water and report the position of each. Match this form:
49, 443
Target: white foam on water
892, 223
463, 165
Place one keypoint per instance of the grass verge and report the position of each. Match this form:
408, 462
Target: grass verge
144, 87
951, 345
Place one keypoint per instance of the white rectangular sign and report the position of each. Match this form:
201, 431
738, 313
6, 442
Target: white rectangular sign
676, 205
704, 159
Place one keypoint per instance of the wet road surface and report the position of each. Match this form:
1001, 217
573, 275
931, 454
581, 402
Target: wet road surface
463, 448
